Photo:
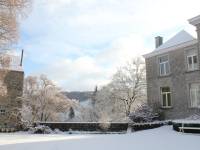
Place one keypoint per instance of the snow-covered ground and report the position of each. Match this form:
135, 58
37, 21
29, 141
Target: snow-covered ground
163, 138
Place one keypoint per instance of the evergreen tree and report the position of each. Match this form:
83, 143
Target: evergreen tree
71, 113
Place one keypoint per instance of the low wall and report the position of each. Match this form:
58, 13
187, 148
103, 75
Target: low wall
95, 126
176, 126
86, 126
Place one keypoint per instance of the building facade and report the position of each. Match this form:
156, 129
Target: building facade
173, 74
11, 89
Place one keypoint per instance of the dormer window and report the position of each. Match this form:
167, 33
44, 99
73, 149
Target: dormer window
164, 65
192, 62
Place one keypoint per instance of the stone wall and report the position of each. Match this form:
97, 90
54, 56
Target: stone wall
12, 81
178, 81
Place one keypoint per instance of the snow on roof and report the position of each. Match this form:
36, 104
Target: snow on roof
179, 38
195, 20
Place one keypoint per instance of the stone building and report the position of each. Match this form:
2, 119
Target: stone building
11, 88
173, 74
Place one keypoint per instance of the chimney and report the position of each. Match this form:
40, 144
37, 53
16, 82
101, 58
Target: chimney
22, 54
158, 41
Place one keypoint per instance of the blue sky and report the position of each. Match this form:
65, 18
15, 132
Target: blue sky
80, 43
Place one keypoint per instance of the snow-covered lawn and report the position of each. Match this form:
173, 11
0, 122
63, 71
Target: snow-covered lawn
163, 138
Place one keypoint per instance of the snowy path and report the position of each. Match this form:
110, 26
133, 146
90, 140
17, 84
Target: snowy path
163, 138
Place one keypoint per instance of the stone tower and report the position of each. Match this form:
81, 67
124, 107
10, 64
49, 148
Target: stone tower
11, 89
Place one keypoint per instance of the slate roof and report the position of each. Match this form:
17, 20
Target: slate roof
180, 40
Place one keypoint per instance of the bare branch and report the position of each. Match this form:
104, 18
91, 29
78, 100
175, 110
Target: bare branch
129, 83
10, 13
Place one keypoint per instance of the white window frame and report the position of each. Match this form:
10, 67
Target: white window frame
164, 64
193, 103
166, 94
193, 66
2, 111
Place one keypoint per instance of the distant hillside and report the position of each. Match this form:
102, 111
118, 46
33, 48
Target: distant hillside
81, 96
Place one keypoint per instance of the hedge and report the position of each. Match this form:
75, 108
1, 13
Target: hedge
145, 126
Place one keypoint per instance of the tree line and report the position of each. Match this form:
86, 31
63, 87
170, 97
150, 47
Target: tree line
114, 102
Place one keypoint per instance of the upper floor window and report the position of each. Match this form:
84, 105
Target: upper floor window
166, 97
164, 65
195, 94
192, 62
192, 59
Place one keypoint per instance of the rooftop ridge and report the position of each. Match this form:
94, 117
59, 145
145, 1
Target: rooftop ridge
179, 38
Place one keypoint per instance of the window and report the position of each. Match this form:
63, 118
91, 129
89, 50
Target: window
164, 65
192, 62
166, 97
195, 94
2, 111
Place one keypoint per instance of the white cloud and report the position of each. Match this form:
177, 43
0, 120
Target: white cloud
84, 72
80, 74
80, 43
122, 50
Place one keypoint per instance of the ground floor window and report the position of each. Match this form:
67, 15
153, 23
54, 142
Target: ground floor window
2, 111
195, 94
166, 97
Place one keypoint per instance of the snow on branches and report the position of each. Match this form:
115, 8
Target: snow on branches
42, 100
143, 113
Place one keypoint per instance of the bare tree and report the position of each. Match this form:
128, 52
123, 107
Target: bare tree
42, 100
129, 84
10, 14
107, 106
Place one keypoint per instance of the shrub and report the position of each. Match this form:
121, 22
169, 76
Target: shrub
143, 113
57, 131
104, 126
193, 117
41, 129
104, 122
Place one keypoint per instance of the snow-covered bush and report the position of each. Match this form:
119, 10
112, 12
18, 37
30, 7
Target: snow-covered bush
57, 131
193, 117
104, 126
41, 129
104, 122
143, 113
